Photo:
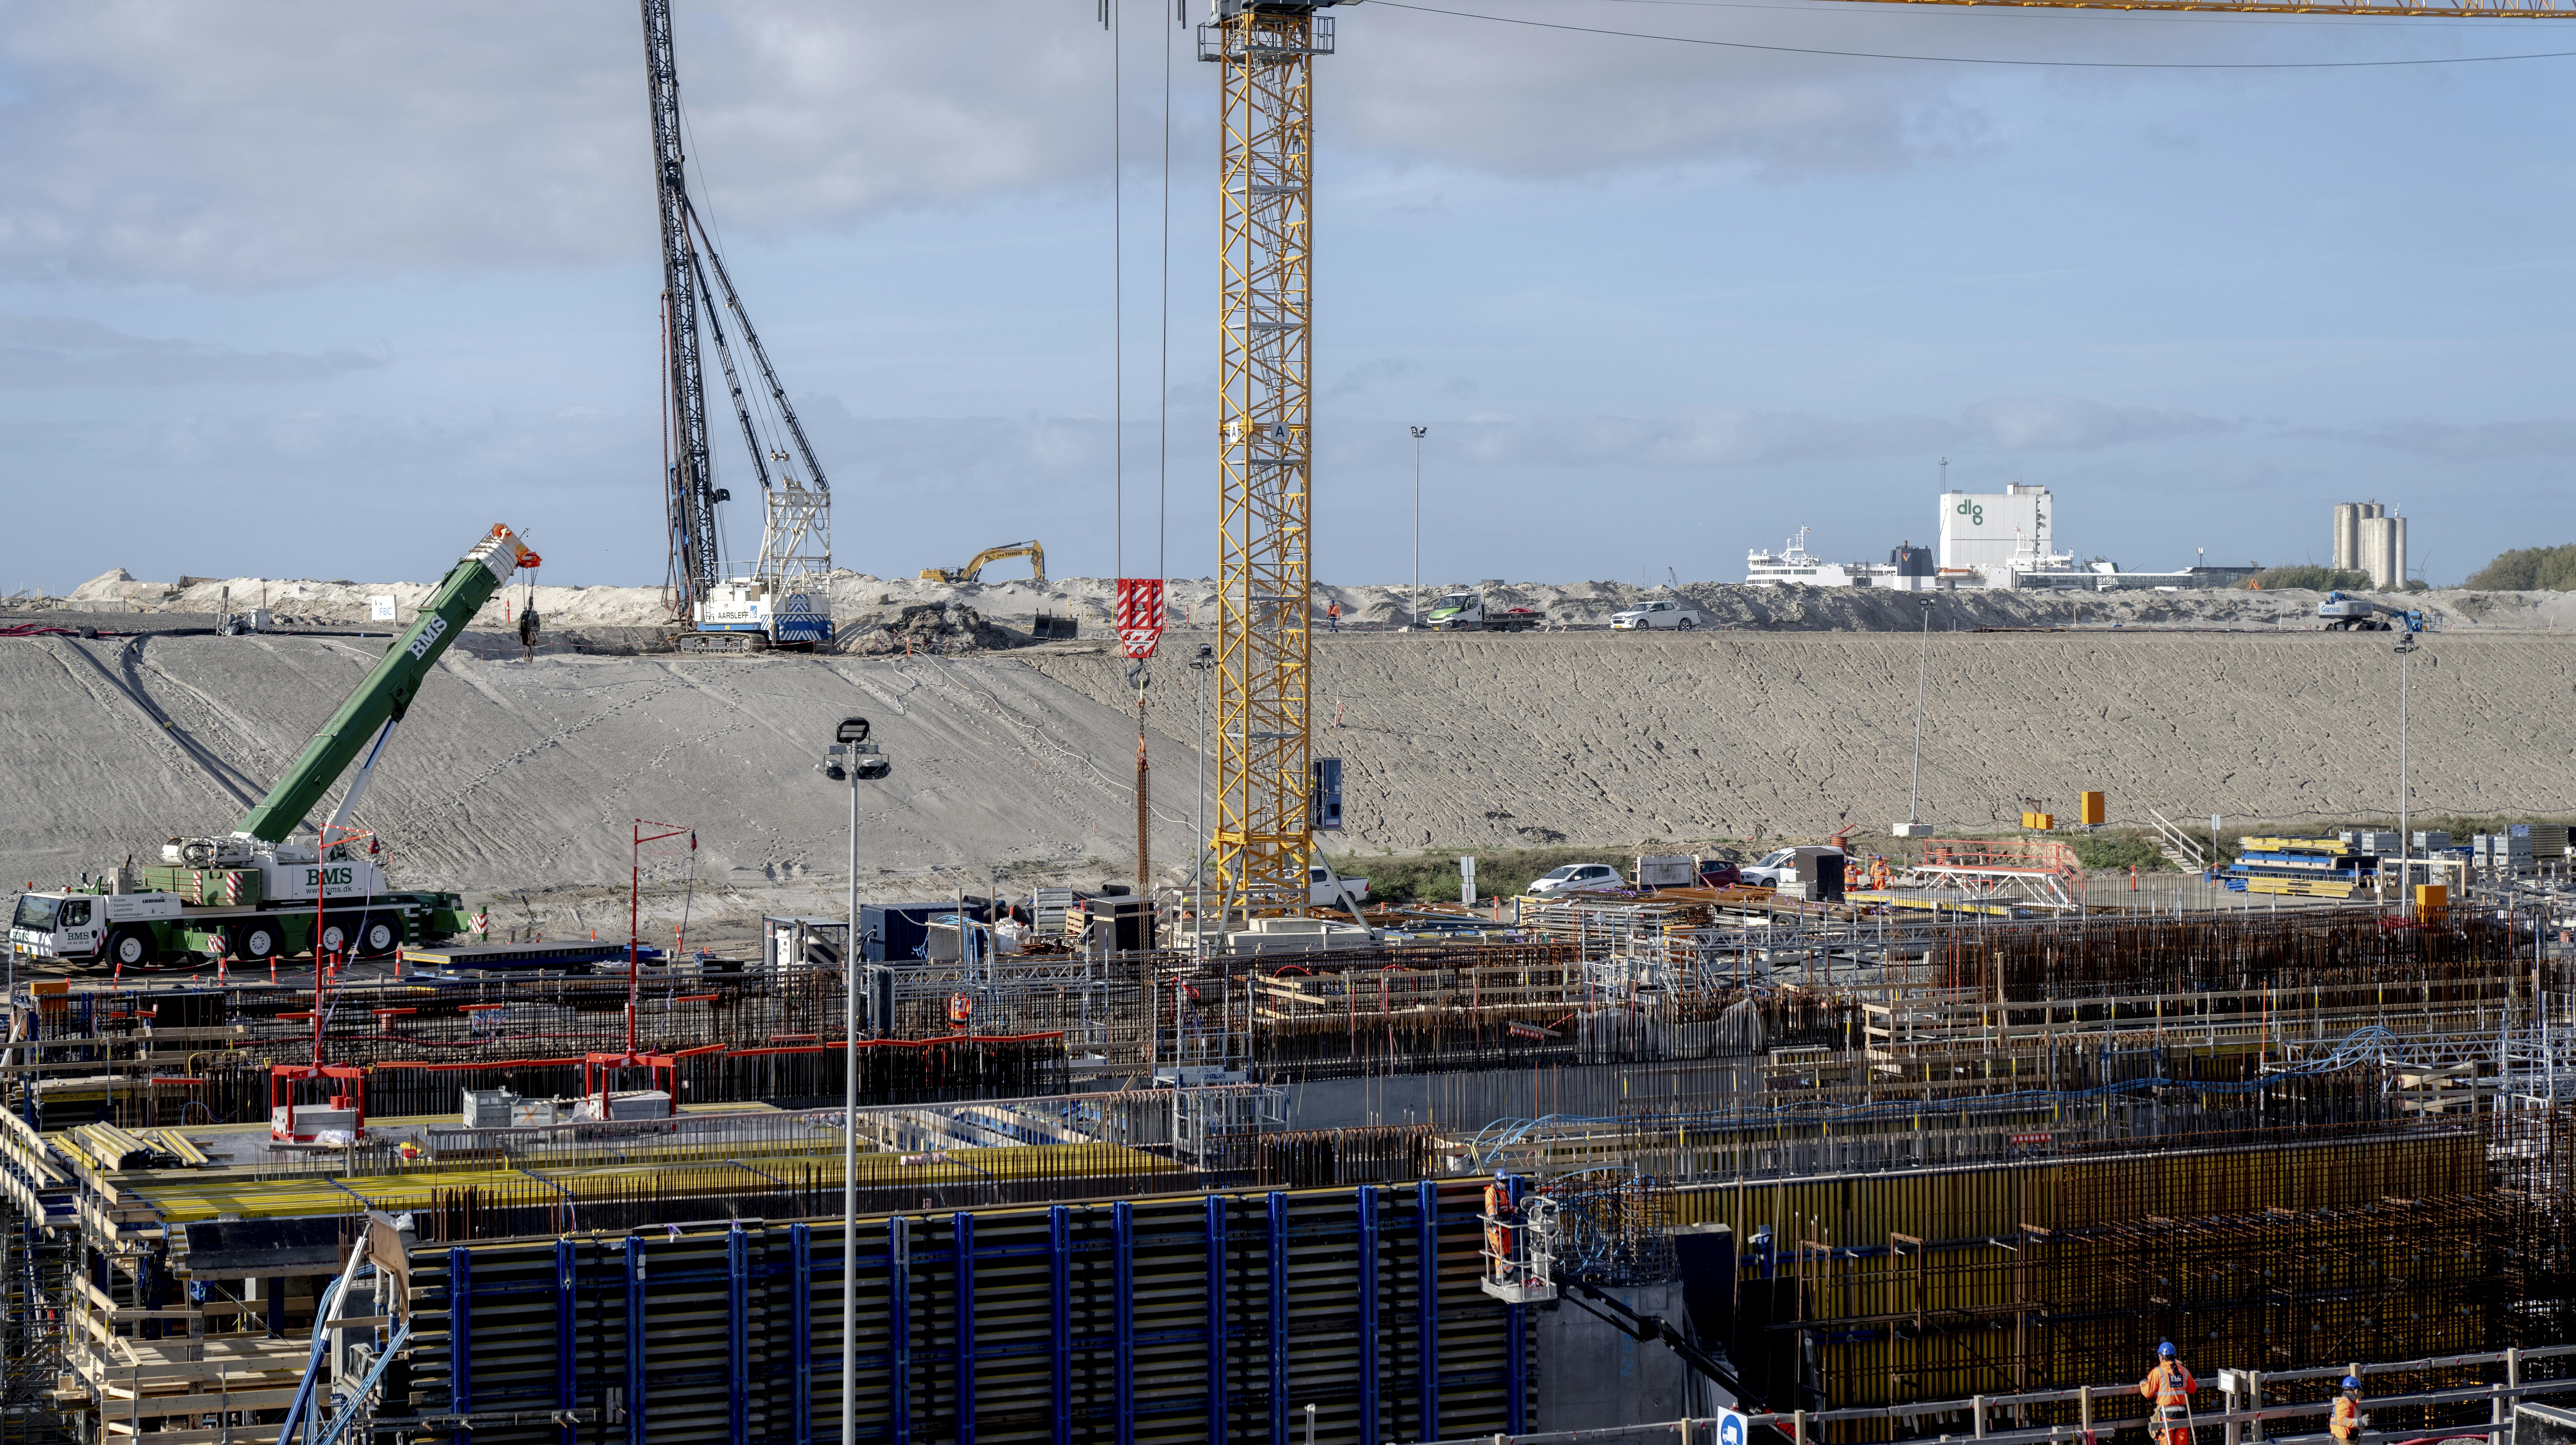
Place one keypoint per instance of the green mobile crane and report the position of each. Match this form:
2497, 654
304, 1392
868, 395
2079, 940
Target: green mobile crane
261, 892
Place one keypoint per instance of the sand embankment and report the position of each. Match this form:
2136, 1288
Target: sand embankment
515, 776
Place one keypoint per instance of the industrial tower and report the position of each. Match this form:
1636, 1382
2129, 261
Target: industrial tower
1263, 837
779, 601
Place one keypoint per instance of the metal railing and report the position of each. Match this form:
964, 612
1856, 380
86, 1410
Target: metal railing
2240, 1426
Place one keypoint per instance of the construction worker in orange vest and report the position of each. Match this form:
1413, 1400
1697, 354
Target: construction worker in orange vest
2348, 1421
2171, 1387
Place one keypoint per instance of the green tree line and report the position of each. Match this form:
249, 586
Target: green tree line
2529, 569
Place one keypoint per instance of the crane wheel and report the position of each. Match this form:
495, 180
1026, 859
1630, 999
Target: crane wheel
253, 942
128, 948
379, 935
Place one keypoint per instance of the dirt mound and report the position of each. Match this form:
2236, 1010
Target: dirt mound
933, 629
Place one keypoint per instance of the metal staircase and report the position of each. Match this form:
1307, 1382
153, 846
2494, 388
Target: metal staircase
2179, 847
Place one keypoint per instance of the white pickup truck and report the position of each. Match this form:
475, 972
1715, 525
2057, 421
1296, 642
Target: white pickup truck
1649, 616
1319, 888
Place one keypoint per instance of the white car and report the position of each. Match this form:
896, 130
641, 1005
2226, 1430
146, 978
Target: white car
1657, 614
1776, 867
1579, 878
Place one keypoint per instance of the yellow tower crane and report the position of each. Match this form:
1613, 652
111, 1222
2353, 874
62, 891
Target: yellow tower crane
1263, 842
1264, 834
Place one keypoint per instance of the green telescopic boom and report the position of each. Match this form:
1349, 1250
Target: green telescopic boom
389, 687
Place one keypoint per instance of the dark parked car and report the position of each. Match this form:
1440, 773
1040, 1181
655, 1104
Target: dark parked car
1719, 873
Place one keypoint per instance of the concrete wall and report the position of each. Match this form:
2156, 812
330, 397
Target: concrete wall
1591, 1375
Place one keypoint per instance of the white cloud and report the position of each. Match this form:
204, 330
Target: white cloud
46, 351
2074, 424
232, 144
1527, 101
1734, 437
2541, 437
1703, 437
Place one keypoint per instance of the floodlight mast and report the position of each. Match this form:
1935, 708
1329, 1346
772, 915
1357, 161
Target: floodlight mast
851, 759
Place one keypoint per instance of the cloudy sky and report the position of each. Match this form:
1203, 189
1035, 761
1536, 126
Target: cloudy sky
308, 289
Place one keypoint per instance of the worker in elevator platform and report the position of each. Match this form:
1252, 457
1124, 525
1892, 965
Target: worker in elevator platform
1500, 1232
2170, 1386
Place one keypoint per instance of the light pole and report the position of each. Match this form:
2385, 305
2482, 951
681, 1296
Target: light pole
1913, 823
2405, 839
1200, 665
851, 758
1417, 525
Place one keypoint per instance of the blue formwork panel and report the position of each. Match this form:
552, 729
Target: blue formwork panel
1215, 1317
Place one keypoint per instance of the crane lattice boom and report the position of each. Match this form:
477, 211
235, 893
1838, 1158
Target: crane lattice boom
1263, 837
689, 488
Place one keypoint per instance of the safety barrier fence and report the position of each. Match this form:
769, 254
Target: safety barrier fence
2443, 1414
2235, 1426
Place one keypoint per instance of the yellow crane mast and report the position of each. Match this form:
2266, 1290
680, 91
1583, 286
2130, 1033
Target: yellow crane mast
1263, 837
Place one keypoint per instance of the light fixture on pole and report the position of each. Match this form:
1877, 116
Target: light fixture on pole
851, 758
1416, 609
1914, 826
2405, 839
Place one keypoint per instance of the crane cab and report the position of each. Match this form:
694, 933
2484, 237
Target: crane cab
752, 612
77, 924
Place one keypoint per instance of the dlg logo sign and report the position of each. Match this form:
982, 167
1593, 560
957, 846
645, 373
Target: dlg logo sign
1975, 513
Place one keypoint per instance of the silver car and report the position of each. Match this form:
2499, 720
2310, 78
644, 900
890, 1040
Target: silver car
1653, 615
1580, 878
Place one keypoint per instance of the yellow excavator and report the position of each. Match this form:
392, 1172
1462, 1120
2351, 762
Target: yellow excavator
973, 570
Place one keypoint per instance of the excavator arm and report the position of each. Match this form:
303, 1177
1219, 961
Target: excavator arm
389, 687
973, 570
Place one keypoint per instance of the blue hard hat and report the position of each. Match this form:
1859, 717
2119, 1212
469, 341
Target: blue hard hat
2165, 1350
2352, 1382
